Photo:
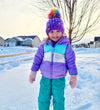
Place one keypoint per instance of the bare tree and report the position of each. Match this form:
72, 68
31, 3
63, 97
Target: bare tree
79, 16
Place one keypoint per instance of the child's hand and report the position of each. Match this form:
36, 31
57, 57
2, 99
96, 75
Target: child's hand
32, 77
73, 81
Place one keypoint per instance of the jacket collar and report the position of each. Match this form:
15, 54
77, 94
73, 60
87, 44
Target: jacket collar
63, 40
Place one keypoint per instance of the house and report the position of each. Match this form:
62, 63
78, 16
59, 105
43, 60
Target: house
97, 42
91, 44
75, 45
84, 45
28, 42
15, 41
1, 41
32, 41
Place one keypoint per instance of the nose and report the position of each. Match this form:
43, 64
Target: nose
55, 33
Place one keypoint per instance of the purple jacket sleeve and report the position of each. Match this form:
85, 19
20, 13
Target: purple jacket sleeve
70, 60
38, 59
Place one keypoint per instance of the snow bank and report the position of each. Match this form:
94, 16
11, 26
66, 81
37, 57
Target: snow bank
17, 94
15, 50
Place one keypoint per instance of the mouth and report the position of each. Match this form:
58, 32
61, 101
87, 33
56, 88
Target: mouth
55, 37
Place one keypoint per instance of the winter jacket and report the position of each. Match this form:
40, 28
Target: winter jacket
54, 62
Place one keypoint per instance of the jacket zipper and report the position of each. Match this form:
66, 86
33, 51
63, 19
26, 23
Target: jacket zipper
52, 62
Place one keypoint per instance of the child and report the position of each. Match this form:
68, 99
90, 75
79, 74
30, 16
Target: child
54, 57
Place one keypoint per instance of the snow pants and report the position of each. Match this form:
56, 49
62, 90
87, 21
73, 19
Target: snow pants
48, 88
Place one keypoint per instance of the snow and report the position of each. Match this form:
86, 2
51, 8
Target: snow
16, 93
15, 50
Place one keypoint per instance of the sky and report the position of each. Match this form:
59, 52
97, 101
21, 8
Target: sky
19, 17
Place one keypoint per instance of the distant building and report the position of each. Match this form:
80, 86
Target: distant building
32, 41
97, 42
91, 44
84, 45
27, 42
1, 41
75, 45
15, 41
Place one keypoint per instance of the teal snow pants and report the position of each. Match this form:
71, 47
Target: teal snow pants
48, 88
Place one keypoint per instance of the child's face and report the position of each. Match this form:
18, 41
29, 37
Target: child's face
55, 35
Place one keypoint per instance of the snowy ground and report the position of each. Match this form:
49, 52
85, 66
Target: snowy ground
16, 93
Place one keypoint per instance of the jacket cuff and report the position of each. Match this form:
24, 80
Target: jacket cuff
33, 71
73, 74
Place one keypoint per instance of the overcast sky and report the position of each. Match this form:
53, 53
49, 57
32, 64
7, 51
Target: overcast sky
18, 17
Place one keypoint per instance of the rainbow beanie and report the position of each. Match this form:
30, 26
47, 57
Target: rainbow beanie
55, 22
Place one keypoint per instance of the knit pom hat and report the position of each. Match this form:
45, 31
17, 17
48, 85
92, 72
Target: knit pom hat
55, 22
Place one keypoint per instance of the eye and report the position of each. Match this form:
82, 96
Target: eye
51, 32
58, 31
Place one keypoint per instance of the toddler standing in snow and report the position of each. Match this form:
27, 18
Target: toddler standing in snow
54, 57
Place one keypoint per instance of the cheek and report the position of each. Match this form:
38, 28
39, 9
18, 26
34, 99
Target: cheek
60, 35
50, 37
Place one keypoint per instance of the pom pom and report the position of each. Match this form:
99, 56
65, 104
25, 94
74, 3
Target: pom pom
54, 13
